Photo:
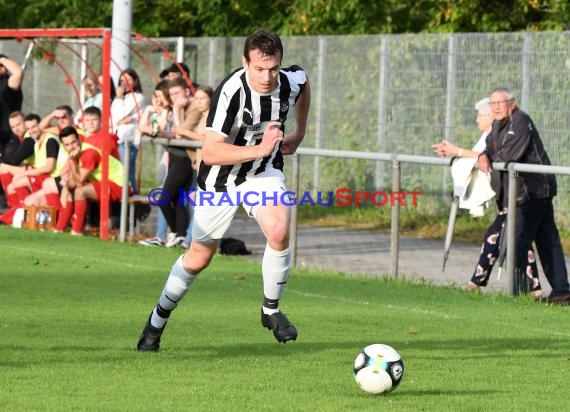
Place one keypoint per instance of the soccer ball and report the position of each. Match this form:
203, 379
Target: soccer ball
378, 369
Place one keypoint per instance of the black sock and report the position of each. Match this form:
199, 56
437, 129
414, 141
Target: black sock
163, 313
270, 303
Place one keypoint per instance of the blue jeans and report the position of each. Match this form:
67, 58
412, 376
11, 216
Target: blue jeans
132, 164
188, 238
161, 226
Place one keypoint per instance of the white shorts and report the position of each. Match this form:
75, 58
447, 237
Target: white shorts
214, 211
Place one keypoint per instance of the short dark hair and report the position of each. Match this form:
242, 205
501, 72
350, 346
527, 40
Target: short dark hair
68, 131
178, 82
179, 67
65, 107
93, 110
264, 40
32, 116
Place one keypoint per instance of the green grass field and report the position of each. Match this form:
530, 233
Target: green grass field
71, 311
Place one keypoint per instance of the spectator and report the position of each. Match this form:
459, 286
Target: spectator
11, 96
126, 110
180, 69
491, 239
157, 121
157, 117
244, 152
201, 101
83, 180
94, 97
180, 173
515, 138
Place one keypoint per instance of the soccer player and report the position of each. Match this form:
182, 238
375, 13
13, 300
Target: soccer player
82, 180
243, 153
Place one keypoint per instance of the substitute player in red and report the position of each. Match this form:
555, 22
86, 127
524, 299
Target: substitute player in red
81, 179
243, 151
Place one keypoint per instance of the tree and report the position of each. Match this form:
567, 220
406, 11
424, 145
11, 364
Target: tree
226, 18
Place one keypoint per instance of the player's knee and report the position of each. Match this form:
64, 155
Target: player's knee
198, 257
278, 234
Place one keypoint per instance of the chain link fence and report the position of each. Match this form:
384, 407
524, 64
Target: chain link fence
379, 93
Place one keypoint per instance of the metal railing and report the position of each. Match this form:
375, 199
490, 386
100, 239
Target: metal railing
396, 159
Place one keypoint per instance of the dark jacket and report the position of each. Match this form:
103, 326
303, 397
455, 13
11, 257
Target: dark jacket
516, 139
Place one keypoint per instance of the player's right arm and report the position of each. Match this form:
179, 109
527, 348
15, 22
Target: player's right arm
16, 73
215, 151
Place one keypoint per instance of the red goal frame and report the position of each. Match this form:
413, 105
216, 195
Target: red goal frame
105, 34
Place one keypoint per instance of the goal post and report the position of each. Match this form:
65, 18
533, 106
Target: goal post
105, 35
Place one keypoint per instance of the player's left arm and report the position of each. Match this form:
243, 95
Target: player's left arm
52, 150
292, 140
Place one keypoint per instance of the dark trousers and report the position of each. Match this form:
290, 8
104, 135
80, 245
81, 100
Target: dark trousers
179, 176
490, 253
535, 221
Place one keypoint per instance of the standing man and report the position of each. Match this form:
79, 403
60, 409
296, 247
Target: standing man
514, 138
11, 97
243, 152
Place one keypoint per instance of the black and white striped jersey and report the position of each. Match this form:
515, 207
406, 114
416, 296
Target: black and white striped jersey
240, 115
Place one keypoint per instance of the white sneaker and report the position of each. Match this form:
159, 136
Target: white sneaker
154, 241
173, 240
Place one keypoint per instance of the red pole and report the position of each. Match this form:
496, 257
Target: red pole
106, 70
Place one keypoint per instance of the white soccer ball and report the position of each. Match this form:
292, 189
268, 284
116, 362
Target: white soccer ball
378, 369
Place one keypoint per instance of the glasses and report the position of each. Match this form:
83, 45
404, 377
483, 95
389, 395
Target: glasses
500, 102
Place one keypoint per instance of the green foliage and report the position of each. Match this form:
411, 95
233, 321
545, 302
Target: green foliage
197, 18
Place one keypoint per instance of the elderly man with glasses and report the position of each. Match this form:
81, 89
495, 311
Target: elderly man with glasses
515, 138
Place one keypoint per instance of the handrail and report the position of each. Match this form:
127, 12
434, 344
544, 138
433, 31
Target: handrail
397, 159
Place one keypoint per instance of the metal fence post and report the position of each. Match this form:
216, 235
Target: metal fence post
395, 224
125, 192
526, 71
511, 232
448, 127
319, 111
293, 224
380, 172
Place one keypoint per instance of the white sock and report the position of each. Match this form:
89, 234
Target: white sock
275, 268
177, 284
268, 311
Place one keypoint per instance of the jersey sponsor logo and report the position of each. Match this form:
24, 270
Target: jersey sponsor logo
254, 128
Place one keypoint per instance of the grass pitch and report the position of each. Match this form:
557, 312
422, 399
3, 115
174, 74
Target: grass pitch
71, 311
